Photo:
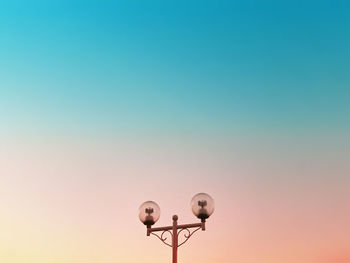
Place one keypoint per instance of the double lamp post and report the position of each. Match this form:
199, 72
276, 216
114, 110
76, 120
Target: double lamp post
149, 212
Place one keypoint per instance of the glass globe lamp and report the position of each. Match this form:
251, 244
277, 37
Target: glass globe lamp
202, 206
149, 213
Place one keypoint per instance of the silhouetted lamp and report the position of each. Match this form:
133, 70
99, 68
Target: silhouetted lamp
149, 213
202, 206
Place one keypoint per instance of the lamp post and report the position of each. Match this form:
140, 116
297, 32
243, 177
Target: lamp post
149, 212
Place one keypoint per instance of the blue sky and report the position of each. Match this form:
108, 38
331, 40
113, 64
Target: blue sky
199, 64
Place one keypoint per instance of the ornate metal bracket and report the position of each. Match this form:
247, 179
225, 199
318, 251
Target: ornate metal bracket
161, 238
188, 235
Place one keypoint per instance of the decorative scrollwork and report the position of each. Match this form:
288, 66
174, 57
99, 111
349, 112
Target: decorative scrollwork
162, 238
187, 235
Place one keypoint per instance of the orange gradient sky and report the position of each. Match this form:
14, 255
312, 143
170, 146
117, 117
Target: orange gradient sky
75, 199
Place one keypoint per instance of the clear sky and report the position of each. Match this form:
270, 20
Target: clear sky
106, 104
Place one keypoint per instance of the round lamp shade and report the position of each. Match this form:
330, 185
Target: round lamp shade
202, 205
149, 213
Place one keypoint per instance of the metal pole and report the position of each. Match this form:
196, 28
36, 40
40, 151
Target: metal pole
174, 243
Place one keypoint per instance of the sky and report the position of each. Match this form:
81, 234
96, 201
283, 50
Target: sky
107, 104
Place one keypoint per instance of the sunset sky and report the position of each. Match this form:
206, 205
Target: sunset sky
107, 104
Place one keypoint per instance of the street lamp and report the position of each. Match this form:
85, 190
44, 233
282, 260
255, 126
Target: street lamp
202, 206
